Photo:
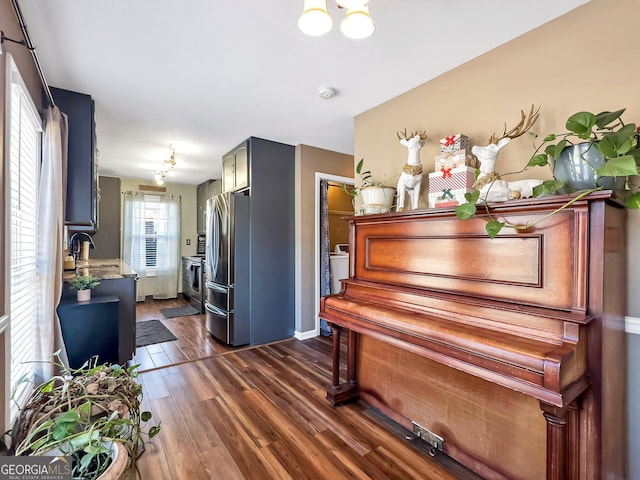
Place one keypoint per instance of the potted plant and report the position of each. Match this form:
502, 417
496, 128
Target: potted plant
598, 151
376, 197
91, 414
83, 284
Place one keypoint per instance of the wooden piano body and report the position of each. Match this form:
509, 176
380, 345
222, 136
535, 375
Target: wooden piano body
511, 349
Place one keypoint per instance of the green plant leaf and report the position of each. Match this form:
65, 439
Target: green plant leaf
359, 166
581, 124
47, 387
539, 160
618, 143
146, 416
633, 201
85, 461
153, 431
548, 187
605, 118
472, 197
619, 167
554, 151
493, 227
550, 138
466, 210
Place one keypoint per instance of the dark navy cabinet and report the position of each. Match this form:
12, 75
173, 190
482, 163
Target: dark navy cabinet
262, 175
90, 328
124, 289
81, 205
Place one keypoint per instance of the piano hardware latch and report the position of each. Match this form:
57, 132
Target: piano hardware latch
436, 441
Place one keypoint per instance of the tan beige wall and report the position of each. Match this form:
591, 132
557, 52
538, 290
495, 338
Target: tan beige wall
10, 27
310, 160
584, 60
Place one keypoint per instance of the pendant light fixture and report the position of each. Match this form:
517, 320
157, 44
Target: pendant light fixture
167, 167
357, 24
315, 20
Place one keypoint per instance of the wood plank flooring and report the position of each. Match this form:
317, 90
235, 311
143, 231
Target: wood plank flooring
193, 340
260, 413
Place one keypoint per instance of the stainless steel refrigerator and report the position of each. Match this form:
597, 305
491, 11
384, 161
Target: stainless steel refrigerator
227, 269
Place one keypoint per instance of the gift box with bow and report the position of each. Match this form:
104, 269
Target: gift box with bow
454, 142
451, 178
459, 158
448, 197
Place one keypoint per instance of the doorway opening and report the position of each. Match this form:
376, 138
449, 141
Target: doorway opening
331, 237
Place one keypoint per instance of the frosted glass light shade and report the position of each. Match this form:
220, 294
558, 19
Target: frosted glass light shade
315, 20
357, 23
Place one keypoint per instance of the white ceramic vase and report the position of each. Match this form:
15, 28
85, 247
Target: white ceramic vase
84, 295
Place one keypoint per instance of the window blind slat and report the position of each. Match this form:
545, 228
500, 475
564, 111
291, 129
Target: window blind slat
24, 156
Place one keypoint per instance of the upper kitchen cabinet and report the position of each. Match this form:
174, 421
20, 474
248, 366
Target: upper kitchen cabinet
215, 187
206, 190
235, 169
82, 169
202, 194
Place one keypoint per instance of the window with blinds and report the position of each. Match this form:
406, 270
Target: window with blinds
24, 162
154, 215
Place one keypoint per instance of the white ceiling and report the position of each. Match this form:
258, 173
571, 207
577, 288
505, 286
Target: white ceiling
206, 74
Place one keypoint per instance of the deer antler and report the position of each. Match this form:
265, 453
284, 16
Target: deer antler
526, 122
406, 136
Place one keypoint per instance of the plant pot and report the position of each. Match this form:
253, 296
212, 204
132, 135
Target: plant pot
119, 460
84, 295
377, 199
577, 165
117, 466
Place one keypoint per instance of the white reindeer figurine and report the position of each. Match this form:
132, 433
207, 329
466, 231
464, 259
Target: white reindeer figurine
410, 180
492, 187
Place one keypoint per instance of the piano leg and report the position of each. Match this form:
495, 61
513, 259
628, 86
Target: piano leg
338, 393
560, 423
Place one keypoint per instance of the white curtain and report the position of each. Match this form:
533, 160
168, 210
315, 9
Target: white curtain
151, 242
51, 210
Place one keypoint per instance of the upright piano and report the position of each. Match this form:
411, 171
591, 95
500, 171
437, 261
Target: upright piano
509, 354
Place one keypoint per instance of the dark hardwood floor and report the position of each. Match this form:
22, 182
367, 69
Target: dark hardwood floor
193, 340
260, 413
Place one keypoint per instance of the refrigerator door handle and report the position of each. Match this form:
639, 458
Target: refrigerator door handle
214, 248
209, 238
216, 310
215, 287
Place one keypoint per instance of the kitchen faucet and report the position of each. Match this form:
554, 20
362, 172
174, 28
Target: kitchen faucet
74, 247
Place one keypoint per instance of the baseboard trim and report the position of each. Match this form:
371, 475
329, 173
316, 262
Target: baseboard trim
305, 335
632, 325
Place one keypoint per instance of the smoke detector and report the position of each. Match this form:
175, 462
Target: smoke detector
327, 92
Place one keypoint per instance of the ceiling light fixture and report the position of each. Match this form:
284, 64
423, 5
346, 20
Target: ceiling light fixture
315, 20
167, 167
357, 24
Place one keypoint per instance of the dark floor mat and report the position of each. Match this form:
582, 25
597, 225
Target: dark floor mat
152, 331
179, 312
